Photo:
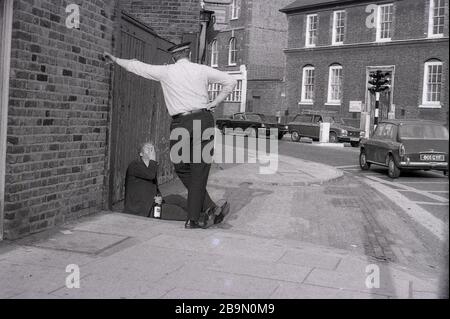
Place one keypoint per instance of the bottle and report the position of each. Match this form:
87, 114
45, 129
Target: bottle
157, 211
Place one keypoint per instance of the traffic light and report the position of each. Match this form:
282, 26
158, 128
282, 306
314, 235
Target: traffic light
379, 81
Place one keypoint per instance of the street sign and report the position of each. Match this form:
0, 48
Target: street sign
355, 106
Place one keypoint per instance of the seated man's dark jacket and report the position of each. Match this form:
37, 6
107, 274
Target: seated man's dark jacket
140, 187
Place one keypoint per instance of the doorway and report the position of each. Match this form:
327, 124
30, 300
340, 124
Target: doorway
6, 8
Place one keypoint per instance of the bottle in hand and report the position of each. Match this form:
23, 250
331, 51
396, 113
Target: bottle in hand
157, 208
157, 211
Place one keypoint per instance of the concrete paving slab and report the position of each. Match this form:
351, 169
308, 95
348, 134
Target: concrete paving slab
29, 255
304, 291
195, 276
216, 244
16, 279
357, 281
76, 241
34, 295
183, 293
307, 259
262, 269
117, 285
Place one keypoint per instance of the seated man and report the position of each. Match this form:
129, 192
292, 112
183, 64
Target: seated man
142, 192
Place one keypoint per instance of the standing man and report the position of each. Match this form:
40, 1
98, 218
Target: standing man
185, 88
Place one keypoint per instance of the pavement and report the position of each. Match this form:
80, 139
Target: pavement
292, 234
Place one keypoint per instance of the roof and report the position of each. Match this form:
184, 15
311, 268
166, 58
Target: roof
300, 5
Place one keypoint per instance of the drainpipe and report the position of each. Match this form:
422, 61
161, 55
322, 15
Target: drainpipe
205, 19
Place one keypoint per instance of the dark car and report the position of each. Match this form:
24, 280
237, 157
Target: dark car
308, 125
250, 123
406, 145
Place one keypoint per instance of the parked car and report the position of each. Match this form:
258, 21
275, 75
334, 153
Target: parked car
308, 125
406, 145
250, 123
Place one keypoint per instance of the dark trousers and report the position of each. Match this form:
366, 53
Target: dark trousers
194, 175
174, 207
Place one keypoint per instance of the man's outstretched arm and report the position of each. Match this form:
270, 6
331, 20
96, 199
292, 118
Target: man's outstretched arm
148, 71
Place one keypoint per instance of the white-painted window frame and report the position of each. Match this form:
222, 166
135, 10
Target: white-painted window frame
232, 51
426, 73
236, 95
330, 100
214, 53
431, 17
334, 33
379, 22
309, 39
235, 9
305, 70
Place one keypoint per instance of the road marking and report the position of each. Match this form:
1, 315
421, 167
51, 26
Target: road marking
424, 182
411, 189
347, 166
431, 203
436, 226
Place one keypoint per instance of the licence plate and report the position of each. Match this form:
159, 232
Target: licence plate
432, 157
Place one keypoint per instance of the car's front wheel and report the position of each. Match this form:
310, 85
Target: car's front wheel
363, 161
295, 136
393, 170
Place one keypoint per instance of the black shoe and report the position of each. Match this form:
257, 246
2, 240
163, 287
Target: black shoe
190, 224
208, 217
224, 210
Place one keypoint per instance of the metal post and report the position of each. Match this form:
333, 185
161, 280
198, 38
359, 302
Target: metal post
377, 105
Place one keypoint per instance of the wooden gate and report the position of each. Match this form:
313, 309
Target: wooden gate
138, 112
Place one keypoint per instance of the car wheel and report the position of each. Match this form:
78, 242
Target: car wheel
393, 170
354, 144
280, 135
363, 161
295, 136
333, 137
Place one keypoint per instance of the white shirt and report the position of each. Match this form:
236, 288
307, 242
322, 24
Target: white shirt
185, 84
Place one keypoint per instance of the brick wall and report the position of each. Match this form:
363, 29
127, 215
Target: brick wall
169, 18
266, 97
409, 64
410, 22
267, 39
58, 114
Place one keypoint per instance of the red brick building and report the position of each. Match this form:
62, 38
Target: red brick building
247, 42
170, 19
334, 45
59, 103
